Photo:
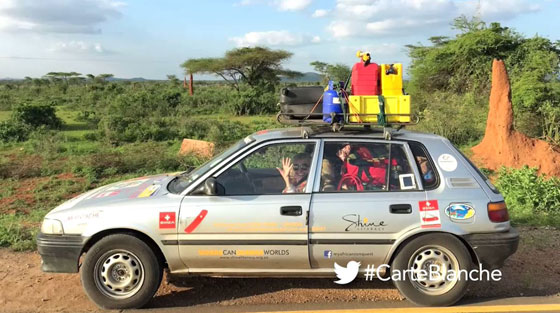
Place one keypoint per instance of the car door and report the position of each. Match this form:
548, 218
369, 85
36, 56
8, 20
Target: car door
254, 223
348, 222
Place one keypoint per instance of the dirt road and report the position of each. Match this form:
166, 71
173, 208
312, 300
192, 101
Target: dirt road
533, 271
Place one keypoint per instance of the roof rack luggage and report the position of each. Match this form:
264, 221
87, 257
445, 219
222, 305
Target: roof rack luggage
339, 121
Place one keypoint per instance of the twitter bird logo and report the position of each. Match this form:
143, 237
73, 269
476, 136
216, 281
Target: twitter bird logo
346, 274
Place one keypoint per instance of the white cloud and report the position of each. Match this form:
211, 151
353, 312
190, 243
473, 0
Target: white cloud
78, 47
274, 38
57, 16
292, 5
408, 17
492, 10
320, 13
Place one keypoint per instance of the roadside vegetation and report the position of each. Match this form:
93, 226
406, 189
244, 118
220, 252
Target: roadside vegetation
65, 133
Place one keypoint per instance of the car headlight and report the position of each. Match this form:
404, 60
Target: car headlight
51, 226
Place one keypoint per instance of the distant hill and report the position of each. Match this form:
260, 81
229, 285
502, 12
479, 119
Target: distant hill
309, 77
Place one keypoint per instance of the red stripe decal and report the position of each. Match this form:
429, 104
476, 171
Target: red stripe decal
194, 224
432, 226
430, 219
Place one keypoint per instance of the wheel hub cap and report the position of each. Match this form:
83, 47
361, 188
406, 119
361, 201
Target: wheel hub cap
430, 268
119, 274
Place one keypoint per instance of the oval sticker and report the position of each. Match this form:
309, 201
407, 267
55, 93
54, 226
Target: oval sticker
447, 162
460, 211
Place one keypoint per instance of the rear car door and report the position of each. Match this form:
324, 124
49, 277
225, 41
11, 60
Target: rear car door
363, 204
255, 223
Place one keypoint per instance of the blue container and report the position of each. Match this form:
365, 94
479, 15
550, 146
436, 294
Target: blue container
331, 103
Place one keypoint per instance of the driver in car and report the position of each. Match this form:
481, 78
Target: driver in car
295, 175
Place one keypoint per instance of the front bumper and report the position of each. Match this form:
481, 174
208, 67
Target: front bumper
60, 253
492, 249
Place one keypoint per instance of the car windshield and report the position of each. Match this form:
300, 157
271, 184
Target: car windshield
181, 182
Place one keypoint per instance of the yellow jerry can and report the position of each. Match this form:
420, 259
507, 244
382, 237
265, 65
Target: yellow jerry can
391, 79
369, 105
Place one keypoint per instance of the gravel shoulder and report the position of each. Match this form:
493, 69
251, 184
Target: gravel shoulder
533, 271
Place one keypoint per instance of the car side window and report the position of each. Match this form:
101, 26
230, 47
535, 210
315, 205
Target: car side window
354, 167
271, 170
365, 166
401, 175
425, 165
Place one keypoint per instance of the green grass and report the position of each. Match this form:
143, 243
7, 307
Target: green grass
5, 115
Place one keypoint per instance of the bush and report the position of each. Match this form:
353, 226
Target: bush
252, 100
15, 234
138, 159
13, 131
531, 198
459, 118
21, 166
36, 115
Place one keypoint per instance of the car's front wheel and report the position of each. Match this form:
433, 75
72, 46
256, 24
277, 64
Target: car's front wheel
431, 270
121, 272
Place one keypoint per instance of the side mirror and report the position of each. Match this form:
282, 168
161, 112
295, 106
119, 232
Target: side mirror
208, 188
211, 187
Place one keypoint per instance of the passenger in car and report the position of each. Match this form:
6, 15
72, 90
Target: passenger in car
328, 180
334, 165
425, 168
295, 175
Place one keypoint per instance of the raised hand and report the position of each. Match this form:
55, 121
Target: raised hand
287, 167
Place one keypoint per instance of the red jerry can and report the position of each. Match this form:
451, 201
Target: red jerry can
365, 79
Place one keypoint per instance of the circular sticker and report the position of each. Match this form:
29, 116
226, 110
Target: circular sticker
447, 162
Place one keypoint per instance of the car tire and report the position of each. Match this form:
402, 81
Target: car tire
121, 272
443, 251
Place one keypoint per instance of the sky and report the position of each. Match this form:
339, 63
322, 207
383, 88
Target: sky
150, 39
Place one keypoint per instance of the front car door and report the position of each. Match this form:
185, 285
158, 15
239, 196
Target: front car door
255, 223
363, 204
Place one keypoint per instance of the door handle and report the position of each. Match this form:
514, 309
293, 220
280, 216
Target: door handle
400, 208
295, 210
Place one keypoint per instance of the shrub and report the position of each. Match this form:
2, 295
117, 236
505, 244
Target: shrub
21, 166
138, 159
13, 131
459, 118
36, 115
15, 234
531, 198
252, 100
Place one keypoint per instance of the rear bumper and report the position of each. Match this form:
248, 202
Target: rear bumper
60, 253
492, 249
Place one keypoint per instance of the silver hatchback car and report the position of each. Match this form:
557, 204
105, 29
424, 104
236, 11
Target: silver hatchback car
296, 202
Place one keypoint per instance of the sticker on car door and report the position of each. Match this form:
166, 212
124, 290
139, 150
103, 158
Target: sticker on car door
429, 214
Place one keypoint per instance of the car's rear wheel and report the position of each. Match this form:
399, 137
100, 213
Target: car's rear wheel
442, 255
121, 272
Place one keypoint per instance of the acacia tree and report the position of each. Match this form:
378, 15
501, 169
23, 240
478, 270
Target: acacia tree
62, 75
255, 66
336, 72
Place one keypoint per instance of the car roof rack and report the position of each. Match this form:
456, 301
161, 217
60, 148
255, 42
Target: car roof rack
340, 122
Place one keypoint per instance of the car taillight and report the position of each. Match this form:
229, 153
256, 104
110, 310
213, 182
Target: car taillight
497, 212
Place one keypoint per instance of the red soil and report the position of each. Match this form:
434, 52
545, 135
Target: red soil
502, 145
